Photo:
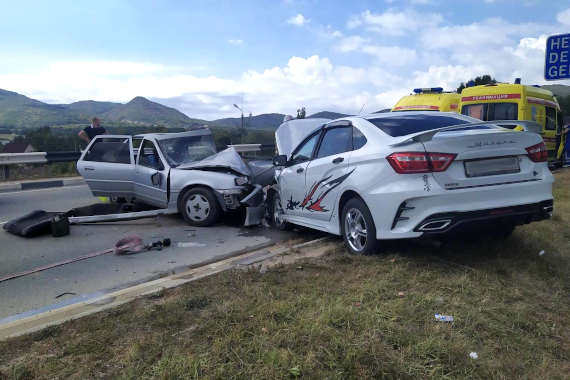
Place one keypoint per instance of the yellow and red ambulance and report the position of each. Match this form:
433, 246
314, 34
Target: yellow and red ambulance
429, 99
515, 101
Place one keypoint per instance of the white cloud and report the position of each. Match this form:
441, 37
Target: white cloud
393, 22
390, 55
298, 20
235, 42
564, 17
422, 2
350, 43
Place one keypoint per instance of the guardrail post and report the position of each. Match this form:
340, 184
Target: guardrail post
5, 172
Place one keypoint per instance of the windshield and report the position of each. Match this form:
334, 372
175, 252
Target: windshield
407, 124
184, 150
491, 111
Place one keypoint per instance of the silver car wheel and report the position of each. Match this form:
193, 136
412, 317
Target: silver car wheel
355, 229
198, 207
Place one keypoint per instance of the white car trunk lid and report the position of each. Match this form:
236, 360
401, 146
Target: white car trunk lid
485, 157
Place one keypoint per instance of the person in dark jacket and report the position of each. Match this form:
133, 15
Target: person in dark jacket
95, 129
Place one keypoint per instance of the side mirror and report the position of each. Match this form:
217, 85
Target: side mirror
156, 179
280, 160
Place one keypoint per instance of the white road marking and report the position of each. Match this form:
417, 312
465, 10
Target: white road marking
34, 190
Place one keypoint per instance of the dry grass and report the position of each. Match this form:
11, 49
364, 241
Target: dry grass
339, 317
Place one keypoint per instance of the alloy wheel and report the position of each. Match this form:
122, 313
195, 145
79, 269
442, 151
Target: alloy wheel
198, 207
355, 229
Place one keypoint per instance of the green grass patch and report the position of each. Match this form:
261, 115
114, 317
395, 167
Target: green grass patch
339, 317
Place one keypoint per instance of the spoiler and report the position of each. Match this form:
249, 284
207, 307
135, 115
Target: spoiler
527, 126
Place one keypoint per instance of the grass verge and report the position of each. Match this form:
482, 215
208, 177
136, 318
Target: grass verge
339, 317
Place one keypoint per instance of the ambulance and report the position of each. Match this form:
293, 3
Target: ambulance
515, 101
429, 99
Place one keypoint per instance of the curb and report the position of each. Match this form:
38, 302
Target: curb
110, 300
40, 184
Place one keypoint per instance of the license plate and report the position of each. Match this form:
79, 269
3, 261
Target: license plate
492, 166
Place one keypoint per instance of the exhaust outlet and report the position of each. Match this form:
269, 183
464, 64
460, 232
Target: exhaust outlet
435, 225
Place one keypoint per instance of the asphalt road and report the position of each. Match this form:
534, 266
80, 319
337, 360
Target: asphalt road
91, 277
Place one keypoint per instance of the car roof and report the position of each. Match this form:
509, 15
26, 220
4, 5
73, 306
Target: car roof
413, 113
171, 135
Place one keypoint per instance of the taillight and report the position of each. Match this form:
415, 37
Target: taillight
538, 152
420, 162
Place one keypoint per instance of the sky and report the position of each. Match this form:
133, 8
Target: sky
202, 57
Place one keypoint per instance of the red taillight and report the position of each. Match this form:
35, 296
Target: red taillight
420, 162
538, 152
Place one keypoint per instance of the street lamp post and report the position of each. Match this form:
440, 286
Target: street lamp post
242, 130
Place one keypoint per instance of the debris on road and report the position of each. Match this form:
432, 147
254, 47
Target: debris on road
190, 244
127, 245
134, 244
443, 318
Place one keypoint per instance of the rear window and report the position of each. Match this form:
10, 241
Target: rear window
491, 111
111, 150
407, 124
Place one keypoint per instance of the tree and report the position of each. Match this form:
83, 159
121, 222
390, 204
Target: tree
483, 79
301, 113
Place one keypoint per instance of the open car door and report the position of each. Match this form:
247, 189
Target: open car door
107, 165
151, 176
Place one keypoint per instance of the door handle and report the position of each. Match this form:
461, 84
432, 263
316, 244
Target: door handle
338, 160
300, 170
89, 168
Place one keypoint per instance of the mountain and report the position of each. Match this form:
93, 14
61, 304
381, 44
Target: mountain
263, 121
558, 89
91, 108
327, 115
19, 111
142, 111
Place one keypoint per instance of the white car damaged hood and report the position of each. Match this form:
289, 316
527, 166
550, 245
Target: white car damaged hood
292, 132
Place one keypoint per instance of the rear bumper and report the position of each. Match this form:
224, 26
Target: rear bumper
399, 211
442, 223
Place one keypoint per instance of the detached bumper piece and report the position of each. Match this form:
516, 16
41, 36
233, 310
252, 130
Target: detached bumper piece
516, 215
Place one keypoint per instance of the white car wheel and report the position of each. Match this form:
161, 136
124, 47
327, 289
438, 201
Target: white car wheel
277, 212
358, 229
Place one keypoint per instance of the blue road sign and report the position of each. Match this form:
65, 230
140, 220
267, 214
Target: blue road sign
557, 65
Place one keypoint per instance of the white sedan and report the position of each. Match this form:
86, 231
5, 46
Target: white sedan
394, 175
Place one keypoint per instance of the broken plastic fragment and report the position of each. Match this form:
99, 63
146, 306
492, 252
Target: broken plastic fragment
443, 318
473, 355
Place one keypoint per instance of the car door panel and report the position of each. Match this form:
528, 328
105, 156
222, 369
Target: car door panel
107, 166
151, 176
292, 178
326, 172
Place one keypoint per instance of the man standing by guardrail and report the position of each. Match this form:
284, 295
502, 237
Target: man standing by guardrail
91, 131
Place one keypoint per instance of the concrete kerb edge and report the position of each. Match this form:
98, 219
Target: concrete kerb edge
117, 298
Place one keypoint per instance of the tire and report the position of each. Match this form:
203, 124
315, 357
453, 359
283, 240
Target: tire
199, 207
357, 227
276, 213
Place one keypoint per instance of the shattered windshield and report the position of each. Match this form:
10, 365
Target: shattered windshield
187, 149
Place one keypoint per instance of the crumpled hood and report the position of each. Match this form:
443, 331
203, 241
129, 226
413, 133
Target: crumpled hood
292, 132
227, 158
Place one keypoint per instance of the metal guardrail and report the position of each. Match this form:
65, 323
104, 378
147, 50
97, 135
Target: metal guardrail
50, 157
23, 158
